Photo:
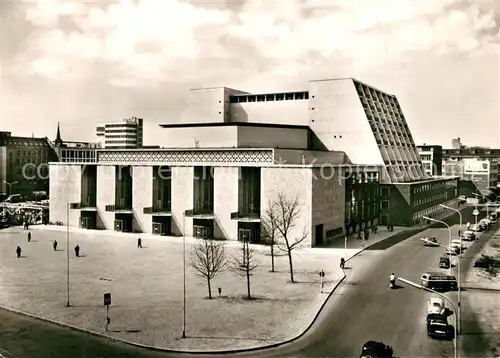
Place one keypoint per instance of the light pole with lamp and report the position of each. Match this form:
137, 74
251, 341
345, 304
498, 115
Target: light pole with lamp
416, 285
459, 214
458, 267
67, 255
10, 185
184, 275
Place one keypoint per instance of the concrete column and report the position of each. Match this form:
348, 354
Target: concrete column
106, 182
65, 187
142, 196
182, 199
225, 202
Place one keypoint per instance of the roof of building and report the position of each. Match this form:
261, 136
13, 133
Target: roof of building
309, 157
23, 141
238, 124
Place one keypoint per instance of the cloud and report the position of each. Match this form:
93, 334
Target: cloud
152, 39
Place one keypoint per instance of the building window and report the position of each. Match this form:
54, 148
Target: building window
384, 192
385, 204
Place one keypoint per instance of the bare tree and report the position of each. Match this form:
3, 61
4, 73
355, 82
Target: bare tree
270, 229
245, 264
288, 214
209, 259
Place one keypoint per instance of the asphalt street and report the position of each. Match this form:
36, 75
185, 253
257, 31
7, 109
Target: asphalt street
363, 308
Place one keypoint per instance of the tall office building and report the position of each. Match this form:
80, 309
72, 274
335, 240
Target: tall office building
432, 158
127, 134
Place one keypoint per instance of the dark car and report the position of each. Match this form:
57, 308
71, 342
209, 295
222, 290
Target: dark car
373, 349
444, 262
438, 327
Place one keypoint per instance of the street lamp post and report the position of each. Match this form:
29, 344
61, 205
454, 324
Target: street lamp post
459, 293
459, 214
184, 275
67, 255
416, 285
10, 185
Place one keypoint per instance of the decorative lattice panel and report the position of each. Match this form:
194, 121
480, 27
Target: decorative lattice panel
165, 157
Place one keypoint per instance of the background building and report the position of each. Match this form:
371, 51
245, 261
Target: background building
337, 147
432, 159
120, 135
476, 166
24, 165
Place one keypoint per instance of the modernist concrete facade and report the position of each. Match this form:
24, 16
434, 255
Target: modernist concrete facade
121, 191
334, 147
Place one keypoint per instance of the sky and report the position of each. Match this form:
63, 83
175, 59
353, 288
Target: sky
82, 63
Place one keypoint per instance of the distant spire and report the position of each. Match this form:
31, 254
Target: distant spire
58, 140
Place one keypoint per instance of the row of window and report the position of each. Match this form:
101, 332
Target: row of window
36, 161
121, 125
120, 142
133, 136
269, 97
28, 153
427, 187
132, 131
429, 199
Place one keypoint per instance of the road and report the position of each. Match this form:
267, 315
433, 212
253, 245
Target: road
362, 308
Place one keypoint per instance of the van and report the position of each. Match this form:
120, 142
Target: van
435, 305
439, 281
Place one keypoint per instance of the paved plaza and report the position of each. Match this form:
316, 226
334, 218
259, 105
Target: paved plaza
147, 289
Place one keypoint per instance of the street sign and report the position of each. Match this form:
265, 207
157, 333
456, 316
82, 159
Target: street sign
475, 212
107, 299
322, 273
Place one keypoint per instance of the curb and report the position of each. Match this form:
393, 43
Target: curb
236, 351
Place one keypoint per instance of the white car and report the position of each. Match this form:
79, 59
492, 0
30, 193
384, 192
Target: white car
429, 241
469, 235
435, 305
458, 243
475, 228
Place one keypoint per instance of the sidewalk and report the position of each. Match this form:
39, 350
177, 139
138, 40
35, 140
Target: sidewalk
353, 243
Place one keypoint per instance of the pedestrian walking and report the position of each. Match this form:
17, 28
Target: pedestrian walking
77, 250
54, 245
18, 251
139, 243
342, 263
29, 236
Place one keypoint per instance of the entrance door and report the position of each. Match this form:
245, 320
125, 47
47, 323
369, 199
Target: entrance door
319, 234
245, 235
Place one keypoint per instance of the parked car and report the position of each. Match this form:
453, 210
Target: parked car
438, 327
459, 243
469, 235
373, 349
493, 218
484, 262
475, 228
439, 281
453, 250
444, 262
435, 305
429, 241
